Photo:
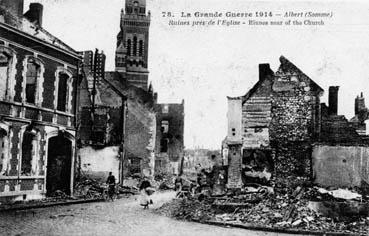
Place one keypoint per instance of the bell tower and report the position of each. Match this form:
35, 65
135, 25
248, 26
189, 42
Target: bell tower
133, 42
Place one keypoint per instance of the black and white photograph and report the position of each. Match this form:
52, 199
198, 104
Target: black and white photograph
184, 117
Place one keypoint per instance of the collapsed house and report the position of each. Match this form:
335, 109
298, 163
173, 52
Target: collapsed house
38, 75
278, 128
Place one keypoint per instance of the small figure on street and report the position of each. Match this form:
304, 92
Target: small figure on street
144, 193
111, 185
178, 183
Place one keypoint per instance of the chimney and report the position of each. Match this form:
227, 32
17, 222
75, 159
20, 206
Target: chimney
333, 100
264, 71
15, 7
34, 14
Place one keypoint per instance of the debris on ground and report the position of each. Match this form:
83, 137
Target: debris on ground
297, 205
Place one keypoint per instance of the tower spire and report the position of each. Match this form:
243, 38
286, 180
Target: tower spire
132, 44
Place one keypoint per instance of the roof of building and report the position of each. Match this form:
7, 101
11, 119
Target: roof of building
131, 92
24, 25
285, 66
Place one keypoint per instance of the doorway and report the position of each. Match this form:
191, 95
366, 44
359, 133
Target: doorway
59, 162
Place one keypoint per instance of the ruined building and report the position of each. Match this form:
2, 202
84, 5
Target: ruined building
336, 129
37, 106
280, 128
169, 138
340, 158
126, 91
272, 127
144, 118
101, 120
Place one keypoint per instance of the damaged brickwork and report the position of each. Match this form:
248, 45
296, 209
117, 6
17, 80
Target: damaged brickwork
295, 119
280, 120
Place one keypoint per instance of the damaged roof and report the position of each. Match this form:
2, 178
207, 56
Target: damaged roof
285, 67
24, 25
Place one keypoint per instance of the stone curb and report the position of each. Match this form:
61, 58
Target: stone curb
48, 204
275, 229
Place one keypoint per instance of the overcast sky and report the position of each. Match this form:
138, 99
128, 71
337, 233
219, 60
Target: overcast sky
203, 65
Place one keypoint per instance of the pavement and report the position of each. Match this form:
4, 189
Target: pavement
121, 217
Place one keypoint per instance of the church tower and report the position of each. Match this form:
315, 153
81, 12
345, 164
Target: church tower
132, 43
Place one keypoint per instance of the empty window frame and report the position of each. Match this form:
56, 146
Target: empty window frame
29, 152
4, 74
165, 108
164, 145
32, 80
62, 92
4, 153
164, 126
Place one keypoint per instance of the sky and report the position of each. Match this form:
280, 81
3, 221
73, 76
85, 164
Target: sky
205, 64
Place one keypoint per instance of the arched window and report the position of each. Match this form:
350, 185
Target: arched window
134, 46
62, 91
4, 74
27, 152
129, 45
32, 80
4, 160
140, 48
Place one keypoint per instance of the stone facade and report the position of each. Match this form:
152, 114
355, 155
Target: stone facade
295, 123
37, 106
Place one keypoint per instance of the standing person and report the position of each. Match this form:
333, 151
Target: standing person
144, 196
178, 183
111, 182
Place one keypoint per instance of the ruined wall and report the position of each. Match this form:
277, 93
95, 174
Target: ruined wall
167, 160
140, 138
337, 130
256, 116
234, 116
295, 120
97, 163
341, 166
234, 166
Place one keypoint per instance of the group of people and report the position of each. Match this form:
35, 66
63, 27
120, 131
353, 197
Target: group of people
145, 190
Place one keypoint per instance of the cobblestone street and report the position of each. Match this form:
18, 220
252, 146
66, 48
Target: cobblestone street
122, 217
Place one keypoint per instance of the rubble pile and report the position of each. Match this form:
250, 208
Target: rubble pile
187, 209
301, 208
58, 195
88, 189
164, 182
